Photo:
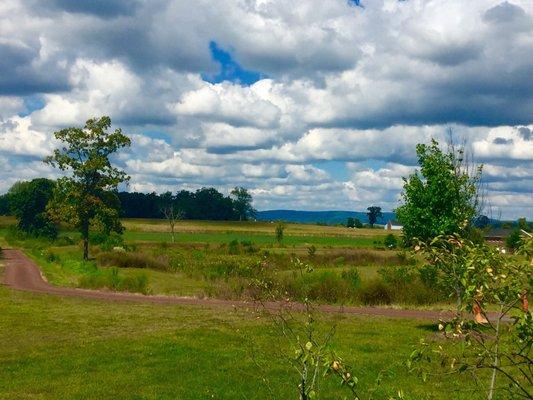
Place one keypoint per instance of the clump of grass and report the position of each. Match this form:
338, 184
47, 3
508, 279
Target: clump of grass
375, 292
133, 260
243, 247
113, 280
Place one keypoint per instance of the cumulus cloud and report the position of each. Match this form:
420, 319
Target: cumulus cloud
359, 87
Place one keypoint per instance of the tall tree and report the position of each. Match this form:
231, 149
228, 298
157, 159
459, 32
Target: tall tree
441, 198
89, 195
28, 201
374, 213
243, 203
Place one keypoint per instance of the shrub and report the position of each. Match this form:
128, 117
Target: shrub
136, 283
390, 241
233, 247
397, 276
514, 240
107, 241
375, 292
429, 275
64, 241
353, 277
51, 256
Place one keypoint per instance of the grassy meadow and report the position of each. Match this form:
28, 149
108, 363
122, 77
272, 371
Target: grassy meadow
55, 347
68, 348
238, 260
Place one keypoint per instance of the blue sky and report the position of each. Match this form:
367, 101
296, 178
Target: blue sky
311, 105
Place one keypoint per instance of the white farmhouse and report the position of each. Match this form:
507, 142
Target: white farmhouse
393, 226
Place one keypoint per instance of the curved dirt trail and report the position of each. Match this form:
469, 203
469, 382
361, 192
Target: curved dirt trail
21, 273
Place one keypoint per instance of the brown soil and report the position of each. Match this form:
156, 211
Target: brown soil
21, 273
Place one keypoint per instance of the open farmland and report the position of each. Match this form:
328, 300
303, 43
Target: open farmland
237, 260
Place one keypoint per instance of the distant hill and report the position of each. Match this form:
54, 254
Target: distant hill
324, 217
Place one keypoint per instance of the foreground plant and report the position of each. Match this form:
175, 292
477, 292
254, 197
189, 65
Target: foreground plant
497, 342
313, 359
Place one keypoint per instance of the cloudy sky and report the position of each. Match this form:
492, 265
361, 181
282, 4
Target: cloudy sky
311, 104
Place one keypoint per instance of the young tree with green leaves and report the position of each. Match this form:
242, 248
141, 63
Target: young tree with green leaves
374, 213
27, 201
88, 196
242, 201
494, 287
441, 198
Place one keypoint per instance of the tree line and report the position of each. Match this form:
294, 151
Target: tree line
203, 204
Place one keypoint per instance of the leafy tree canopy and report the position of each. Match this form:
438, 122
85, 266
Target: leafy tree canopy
243, 203
27, 201
88, 195
441, 198
374, 213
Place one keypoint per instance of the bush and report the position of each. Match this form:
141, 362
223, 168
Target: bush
514, 240
397, 276
429, 275
375, 292
390, 241
64, 241
51, 256
353, 277
106, 242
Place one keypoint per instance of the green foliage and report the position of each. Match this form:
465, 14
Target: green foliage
374, 213
28, 201
106, 241
353, 277
514, 240
390, 241
441, 199
311, 251
112, 279
376, 292
487, 279
4, 205
88, 196
280, 228
353, 223
242, 201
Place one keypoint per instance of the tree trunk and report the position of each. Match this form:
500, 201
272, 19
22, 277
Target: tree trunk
85, 237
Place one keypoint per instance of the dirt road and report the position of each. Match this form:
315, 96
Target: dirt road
21, 273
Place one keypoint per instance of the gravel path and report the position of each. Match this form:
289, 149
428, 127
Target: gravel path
21, 273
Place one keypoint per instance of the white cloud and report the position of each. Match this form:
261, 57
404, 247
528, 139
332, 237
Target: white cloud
340, 84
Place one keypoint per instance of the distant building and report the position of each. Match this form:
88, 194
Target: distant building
497, 235
393, 226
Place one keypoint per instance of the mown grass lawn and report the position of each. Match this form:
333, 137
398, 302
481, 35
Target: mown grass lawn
66, 348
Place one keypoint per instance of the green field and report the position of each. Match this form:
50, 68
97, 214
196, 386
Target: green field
67, 348
64, 348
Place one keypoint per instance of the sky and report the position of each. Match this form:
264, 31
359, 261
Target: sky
310, 104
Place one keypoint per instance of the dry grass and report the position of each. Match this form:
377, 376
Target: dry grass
159, 225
